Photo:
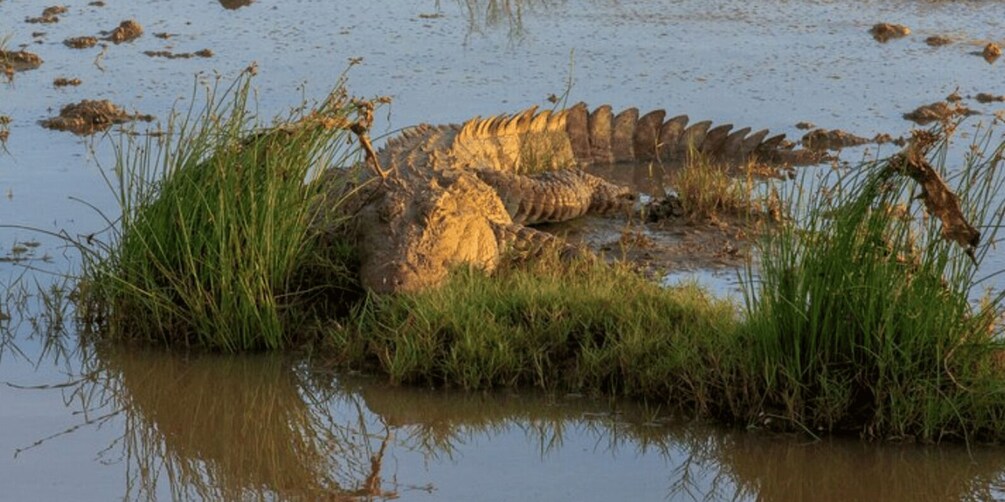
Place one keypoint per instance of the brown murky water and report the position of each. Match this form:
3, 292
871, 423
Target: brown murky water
91, 423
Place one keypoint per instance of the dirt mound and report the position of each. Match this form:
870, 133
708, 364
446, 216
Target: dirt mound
884, 32
91, 116
80, 42
49, 15
63, 82
179, 55
127, 31
937, 111
991, 52
983, 97
938, 40
19, 60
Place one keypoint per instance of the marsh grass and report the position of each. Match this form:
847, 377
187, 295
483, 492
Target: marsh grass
584, 326
861, 317
709, 189
216, 225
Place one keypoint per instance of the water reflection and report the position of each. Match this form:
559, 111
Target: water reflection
254, 427
788, 469
233, 428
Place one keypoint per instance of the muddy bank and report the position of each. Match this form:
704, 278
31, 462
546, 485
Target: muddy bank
91, 116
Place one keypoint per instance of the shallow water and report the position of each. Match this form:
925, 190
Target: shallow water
145, 424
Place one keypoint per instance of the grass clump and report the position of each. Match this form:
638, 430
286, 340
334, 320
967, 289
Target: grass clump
707, 189
580, 326
861, 316
216, 226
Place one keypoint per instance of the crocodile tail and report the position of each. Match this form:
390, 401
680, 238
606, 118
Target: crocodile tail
525, 142
608, 138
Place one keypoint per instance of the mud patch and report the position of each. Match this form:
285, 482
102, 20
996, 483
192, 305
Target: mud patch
938, 111
991, 52
80, 42
938, 40
205, 53
64, 82
674, 244
49, 15
833, 139
91, 116
884, 32
983, 97
235, 4
127, 31
19, 60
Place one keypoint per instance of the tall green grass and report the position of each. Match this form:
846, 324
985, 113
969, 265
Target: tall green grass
215, 229
861, 317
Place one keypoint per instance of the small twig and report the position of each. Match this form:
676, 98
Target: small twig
361, 128
100, 57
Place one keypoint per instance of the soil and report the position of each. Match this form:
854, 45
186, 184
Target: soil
235, 4
884, 32
983, 97
19, 60
80, 42
49, 15
991, 52
938, 40
204, 53
127, 31
673, 244
63, 82
833, 139
937, 111
91, 116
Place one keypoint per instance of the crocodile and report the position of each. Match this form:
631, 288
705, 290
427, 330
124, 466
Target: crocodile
441, 196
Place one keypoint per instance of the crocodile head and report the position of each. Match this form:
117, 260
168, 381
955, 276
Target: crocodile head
412, 234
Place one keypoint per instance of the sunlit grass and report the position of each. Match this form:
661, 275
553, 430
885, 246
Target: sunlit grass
216, 225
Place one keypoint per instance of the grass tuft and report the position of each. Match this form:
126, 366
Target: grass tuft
216, 225
862, 317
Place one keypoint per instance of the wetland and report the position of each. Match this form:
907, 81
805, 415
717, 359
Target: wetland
89, 420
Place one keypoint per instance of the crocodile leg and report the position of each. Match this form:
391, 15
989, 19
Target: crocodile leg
554, 196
